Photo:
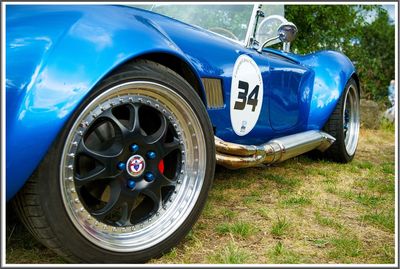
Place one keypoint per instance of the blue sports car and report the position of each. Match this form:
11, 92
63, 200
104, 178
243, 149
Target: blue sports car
116, 116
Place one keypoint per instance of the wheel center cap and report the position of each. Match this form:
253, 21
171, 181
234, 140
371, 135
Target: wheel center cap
135, 165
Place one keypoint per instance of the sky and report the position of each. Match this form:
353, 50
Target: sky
390, 9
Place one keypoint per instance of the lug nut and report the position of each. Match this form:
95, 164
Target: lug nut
131, 184
121, 166
149, 177
134, 148
151, 155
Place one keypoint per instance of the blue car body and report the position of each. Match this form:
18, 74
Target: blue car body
55, 55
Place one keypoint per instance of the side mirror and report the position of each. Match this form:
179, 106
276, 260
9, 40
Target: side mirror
287, 32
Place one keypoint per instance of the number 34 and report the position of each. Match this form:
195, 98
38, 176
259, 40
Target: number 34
251, 99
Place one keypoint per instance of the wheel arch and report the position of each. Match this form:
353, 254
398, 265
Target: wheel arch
179, 66
332, 72
357, 80
52, 87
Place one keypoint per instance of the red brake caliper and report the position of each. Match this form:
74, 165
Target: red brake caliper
161, 166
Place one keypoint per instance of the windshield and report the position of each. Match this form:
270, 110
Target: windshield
229, 20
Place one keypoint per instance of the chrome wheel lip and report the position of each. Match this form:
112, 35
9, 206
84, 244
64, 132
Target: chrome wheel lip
352, 107
189, 182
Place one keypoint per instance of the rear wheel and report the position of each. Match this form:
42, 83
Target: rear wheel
344, 125
129, 174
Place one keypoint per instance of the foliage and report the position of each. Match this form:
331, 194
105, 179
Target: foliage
351, 29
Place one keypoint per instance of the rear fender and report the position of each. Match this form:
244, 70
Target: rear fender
332, 70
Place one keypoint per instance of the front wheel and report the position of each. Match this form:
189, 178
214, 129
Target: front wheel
344, 125
130, 172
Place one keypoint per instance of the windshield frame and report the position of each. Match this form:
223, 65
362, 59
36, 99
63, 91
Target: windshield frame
252, 25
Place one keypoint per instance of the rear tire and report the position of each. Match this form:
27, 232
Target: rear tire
101, 204
344, 125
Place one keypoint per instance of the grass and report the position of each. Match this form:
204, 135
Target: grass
381, 219
327, 221
280, 254
231, 254
297, 200
298, 211
280, 227
241, 229
344, 248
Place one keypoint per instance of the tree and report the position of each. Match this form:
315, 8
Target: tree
370, 45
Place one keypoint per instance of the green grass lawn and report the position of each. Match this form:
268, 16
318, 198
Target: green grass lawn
298, 211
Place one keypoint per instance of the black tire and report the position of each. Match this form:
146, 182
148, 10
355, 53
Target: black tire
40, 203
335, 126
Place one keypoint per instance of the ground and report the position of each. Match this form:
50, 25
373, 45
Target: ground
298, 211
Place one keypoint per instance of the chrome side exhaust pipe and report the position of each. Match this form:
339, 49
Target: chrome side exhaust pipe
235, 156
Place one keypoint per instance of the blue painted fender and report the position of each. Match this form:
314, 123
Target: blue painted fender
332, 70
54, 67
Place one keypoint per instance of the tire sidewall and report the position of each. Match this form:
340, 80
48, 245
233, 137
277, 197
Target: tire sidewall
51, 197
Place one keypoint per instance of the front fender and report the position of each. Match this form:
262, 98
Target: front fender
54, 56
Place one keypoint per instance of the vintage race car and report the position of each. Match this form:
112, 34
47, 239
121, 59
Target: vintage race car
116, 116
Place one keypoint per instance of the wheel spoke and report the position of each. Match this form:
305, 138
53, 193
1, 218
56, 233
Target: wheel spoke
127, 209
137, 129
97, 156
96, 175
117, 123
164, 181
155, 196
112, 204
170, 147
160, 135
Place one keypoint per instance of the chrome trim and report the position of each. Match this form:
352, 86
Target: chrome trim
260, 49
252, 24
351, 103
234, 156
286, 46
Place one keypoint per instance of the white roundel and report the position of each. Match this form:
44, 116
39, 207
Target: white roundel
135, 165
246, 95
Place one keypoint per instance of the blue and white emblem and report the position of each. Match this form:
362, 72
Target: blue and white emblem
135, 165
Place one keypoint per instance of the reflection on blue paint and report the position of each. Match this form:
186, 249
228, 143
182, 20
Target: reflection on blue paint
55, 55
